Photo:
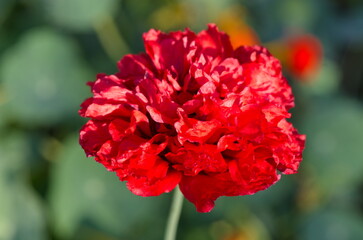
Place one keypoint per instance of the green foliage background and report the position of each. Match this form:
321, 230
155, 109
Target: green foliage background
49, 49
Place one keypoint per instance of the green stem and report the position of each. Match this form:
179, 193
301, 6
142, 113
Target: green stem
174, 215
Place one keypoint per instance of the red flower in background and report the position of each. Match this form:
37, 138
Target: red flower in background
304, 55
195, 112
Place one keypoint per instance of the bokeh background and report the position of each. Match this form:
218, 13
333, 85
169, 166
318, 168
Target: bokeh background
49, 49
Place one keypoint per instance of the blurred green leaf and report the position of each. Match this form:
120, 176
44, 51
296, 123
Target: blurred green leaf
349, 26
327, 79
21, 213
2, 118
274, 195
331, 225
43, 78
13, 152
5, 6
197, 233
82, 190
296, 13
80, 14
334, 150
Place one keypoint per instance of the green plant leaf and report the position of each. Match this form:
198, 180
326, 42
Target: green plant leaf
43, 78
5, 6
21, 213
80, 14
332, 225
83, 191
327, 79
334, 144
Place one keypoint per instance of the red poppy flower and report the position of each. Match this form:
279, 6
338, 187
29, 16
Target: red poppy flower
193, 112
304, 55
